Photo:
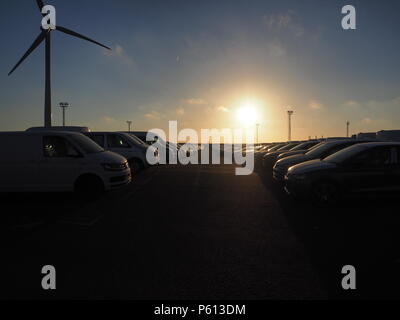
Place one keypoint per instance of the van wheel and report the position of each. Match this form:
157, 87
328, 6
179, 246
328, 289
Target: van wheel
325, 193
89, 186
136, 165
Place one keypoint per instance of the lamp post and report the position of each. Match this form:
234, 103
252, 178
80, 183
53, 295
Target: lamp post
348, 128
290, 113
64, 106
257, 130
129, 125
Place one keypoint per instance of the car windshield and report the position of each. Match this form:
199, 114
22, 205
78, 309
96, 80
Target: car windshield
86, 144
303, 146
287, 147
342, 155
275, 148
136, 139
316, 152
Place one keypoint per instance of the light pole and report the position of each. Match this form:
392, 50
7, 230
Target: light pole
64, 106
257, 129
129, 125
290, 113
348, 129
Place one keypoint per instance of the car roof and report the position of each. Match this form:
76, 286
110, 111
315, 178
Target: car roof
377, 144
31, 133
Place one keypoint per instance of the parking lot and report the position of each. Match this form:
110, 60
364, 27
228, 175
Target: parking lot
197, 232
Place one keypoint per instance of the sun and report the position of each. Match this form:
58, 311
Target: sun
247, 113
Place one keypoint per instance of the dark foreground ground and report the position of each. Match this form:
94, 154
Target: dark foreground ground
197, 232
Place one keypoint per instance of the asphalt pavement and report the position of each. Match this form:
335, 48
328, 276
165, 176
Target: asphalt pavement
195, 232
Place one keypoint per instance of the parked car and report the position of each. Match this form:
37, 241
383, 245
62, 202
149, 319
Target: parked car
300, 149
125, 145
322, 151
269, 159
365, 167
58, 162
169, 149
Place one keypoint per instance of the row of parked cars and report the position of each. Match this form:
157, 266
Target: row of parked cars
326, 170
70, 159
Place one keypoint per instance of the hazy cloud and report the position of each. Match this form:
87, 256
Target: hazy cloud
195, 101
180, 111
120, 53
108, 120
223, 109
315, 105
154, 115
276, 49
283, 21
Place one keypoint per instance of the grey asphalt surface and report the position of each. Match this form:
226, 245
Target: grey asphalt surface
194, 232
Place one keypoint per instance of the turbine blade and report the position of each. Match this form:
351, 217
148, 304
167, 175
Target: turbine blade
34, 45
40, 5
77, 35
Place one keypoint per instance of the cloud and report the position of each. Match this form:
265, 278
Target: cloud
120, 53
223, 109
195, 101
315, 105
276, 49
108, 120
283, 22
366, 121
180, 111
352, 104
154, 115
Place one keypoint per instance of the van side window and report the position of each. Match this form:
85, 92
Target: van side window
117, 141
58, 147
98, 138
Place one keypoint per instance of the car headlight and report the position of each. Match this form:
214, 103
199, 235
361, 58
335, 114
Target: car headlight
115, 166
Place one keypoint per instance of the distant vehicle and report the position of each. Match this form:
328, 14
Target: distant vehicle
270, 158
125, 145
367, 135
322, 151
365, 167
151, 138
58, 162
300, 149
64, 129
388, 135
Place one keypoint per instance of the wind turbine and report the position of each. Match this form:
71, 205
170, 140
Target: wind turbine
49, 25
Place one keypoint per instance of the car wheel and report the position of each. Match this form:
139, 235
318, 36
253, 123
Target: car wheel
325, 193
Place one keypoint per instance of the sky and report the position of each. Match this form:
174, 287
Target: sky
207, 64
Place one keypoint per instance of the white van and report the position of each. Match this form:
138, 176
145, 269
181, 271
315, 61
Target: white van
58, 162
125, 145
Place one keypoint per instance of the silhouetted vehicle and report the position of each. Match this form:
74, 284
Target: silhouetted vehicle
269, 159
365, 167
300, 149
65, 129
125, 145
322, 151
58, 162
167, 150
276, 147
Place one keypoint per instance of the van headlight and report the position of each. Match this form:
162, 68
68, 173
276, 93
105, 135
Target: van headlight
115, 166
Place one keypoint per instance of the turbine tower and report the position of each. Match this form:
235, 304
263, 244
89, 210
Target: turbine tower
45, 36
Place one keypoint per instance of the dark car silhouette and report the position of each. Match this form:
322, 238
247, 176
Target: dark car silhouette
322, 151
366, 167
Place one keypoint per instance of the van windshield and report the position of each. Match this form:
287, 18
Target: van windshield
86, 144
